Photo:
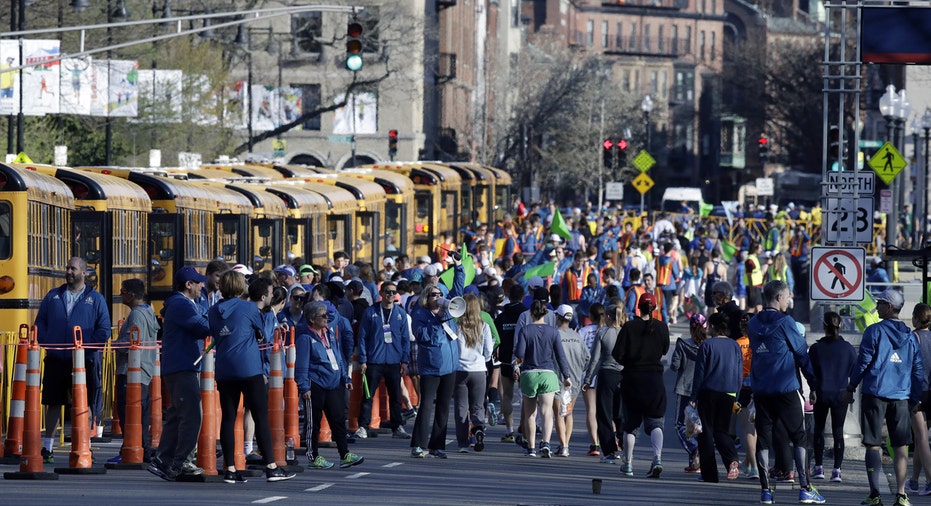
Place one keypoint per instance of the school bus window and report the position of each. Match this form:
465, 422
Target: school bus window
6, 233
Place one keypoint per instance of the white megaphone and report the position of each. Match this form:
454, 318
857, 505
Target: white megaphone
456, 306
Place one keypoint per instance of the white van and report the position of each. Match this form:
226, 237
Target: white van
674, 197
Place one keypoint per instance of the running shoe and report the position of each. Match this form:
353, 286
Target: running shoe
835, 476
479, 440
609, 458
464, 449
902, 500
438, 454
656, 468
767, 497
48, 457
418, 453
734, 471
788, 477
233, 477
817, 473
872, 501
810, 496
545, 450
507, 438
255, 457
627, 469
361, 433
407, 414
189, 469
912, 486
277, 474
520, 441
320, 463
351, 459
530, 452
400, 433
594, 450
753, 473
926, 490
563, 451
492, 414
115, 460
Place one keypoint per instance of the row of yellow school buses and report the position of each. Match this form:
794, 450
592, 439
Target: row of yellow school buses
147, 223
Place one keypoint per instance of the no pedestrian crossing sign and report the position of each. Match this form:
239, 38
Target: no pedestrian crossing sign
837, 274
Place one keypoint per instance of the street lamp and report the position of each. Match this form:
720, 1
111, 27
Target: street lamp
647, 107
895, 108
272, 48
917, 229
926, 126
118, 13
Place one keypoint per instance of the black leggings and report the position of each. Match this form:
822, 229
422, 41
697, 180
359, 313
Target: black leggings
838, 416
255, 397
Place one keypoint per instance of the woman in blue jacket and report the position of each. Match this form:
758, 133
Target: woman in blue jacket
237, 327
437, 361
322, 380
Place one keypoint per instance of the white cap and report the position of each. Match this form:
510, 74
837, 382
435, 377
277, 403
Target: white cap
388, 261
555, 238
564, 311
242, 269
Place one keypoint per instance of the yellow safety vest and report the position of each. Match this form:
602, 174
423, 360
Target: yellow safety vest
754, 277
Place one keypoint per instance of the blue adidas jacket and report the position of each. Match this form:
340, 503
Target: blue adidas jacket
313, 366
342, 328
55, 327
372, 346
437, 354
889, 363
778, 347
183, 332
235, 325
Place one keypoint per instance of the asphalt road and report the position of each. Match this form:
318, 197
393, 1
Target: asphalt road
499, 475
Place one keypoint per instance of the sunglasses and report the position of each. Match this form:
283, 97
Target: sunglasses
390, 292
320, 316
435, 294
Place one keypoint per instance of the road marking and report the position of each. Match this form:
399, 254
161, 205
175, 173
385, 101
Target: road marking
320, 487
269, 499
356, 476
450, 441
393, 464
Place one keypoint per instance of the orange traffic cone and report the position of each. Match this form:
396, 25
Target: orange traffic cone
80, 460
13, 446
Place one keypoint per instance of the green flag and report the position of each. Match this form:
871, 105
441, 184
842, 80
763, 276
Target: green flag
728, 250
468, 265
705, 209
547, 269
559, 227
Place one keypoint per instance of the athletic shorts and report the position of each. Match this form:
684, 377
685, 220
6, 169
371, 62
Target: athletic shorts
894, 412
56, 380
533, 383
754, 296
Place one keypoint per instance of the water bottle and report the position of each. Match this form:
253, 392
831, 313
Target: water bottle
289, 450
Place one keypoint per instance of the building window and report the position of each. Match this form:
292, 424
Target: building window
604, 34
646, 37
625, 82
310, 102
619, 40
675, 39
703, 6
661, 44
688, 40
654, 82
664, 87
685, 85
591, 32
636, 80
633, 38
713, 39
307, 28
701, 46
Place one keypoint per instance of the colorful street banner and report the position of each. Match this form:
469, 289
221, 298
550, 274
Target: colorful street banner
41, 77
289, 105
9, 79
264, 108
123, 89
359, 115
75, 97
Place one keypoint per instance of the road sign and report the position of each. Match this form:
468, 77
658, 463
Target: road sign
765, 187
643, 182
837, 274
614, 191
339, 138
870, 144
885, 201
844, 183
644, 161
887, 162
844, 222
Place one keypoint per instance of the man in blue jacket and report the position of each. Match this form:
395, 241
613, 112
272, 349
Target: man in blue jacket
184, 329
891, 370
384, 349
779, 349
71, 304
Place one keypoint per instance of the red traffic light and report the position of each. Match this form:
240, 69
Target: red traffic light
607, 144
762, 140
622, 144
392, 134
354, 29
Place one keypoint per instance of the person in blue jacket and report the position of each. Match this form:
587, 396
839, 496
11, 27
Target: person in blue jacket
890, 367
341, 325
778, 350
238, 327
185, 326
71, 304
437, 361
322, 381
384, 350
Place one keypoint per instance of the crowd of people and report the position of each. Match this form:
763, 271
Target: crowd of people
549, 309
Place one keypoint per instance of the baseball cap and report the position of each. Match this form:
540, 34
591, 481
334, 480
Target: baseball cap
564, 311
893, 297
286, 269
430, 270
188, 273
242, 269
698, 320
489, 271
555, 238
535, 282
416, 277
388, 261
541, 294
423, 260
336, 278
647, 299
307, 269
355, 285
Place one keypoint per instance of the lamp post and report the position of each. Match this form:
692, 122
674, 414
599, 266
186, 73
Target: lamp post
903, 110
919, 185
272, 48
118, 13
647, 107
894, 108
926, 126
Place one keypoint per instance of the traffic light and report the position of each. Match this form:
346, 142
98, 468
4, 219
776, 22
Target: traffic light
834, 151
354, 46
763, 143
621, 153
608, 152
392, 143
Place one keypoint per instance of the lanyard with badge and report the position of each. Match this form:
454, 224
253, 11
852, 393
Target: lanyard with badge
386, 326
331, 355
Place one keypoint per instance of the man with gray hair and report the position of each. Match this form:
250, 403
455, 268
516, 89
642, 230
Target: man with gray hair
890, 366
779, 349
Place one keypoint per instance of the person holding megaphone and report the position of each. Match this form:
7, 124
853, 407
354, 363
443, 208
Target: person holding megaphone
437, 360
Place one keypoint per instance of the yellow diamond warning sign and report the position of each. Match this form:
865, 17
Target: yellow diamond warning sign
887, 162
643, 183
644, 161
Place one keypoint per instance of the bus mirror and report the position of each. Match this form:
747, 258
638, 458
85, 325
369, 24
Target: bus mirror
228, 250
265, 251
92, 256
265, 231
166, 255
228, 227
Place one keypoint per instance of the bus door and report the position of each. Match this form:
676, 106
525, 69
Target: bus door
91, 232
231, 238
267, 244
166, 253
299, 238
368, 238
